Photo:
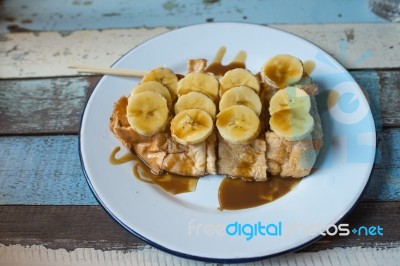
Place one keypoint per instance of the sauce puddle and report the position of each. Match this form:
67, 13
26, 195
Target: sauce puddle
217, 68
236, 194
171, 183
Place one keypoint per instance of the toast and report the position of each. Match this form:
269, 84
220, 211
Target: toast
268, 153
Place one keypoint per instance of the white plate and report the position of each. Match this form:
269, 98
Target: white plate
189, 224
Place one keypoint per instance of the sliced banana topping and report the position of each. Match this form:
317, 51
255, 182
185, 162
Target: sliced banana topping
147, 112
166, 77
238, 124
241, 95
238, 77
201, 82
195, 100
154, 86
290, 113
292, 125
290, 98
282, 70
191, 126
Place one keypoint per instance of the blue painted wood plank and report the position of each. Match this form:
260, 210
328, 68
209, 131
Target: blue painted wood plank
42, 170
46, 170
385, 179
50, 15
369, 82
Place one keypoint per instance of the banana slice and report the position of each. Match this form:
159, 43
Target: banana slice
290, 98
166, 77
292, 125
238, 124
195, 100
238, 77
200, 82
241, 95
191, 126
282, 70
147, 112
155, 87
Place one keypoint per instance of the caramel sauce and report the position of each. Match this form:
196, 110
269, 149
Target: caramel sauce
333, 99
123, 159
236, 194
217, 68
309, 67
233, 194
171, 183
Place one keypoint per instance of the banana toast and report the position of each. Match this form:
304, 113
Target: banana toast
221, 125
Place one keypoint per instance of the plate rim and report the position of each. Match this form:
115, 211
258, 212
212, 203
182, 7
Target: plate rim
204, 258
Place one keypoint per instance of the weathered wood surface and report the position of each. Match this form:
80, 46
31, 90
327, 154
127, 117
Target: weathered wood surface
37, 106
47, 54
20, 15
47, 168
54, 106
389, 95
48, 215
64, 227
18, 255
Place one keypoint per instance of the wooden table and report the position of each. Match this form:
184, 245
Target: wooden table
49, 216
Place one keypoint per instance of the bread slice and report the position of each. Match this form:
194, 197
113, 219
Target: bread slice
161, 152
295, 158
246, 161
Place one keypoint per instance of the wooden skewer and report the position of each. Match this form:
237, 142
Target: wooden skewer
108, 71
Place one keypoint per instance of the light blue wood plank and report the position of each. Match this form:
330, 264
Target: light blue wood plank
47, 170
369, 82
42, 170
50, 15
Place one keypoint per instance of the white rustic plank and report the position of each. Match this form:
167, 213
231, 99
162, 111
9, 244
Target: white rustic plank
50, 53
46, 54
40, 255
